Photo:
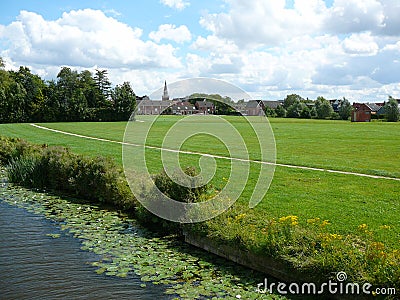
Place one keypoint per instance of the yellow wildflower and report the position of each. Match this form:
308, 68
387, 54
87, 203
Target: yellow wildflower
240, 217
324, 223
385, 227
377, 246
363, 226
313, 221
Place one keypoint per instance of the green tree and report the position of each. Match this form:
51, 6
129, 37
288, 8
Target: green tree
103, 83
12, 100
280, 111
52, 107
291, 99
305, 112
294, 110
67, 84
34, 87
270, 112
323, 108
88, 86
392, 110
345, 109
124, 101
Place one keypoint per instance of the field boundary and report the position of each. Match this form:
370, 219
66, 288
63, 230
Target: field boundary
218, 156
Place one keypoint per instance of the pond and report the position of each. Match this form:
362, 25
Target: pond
56, 248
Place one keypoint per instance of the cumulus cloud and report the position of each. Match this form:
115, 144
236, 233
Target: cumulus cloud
360, 44
171, 32
83, 38
347, 16
262, 22
177, 4
215, 44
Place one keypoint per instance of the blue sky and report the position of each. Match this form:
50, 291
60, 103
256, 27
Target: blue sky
269, 48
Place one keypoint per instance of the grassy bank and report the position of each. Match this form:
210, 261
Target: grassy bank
318, 222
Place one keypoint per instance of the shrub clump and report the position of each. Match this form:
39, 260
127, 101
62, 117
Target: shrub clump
191, 192
57, 169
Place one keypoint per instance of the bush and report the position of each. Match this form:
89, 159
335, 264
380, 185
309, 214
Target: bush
173, 190
13, 148
178, 192
57, 169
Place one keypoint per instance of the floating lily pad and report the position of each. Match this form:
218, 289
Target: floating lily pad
54, 235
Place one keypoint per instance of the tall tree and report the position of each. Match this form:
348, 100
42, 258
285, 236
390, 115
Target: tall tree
345, 109
34, 87
124, 101
52, 111
392, 110
12, 99
323, 108
88, 86
67, 83
102, 82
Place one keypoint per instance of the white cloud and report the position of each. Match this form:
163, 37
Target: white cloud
347, 16
83, 38
260, 22
215, 44
171, 32
395, 46
360, 44
177, 4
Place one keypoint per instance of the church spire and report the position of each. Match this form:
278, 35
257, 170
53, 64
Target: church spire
165, 96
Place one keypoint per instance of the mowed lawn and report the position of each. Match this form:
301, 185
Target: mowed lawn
346, 201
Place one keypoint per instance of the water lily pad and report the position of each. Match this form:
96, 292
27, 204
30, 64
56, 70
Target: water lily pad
54, 235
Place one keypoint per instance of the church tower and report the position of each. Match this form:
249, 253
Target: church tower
165, 96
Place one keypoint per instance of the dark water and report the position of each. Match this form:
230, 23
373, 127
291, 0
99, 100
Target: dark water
36, 266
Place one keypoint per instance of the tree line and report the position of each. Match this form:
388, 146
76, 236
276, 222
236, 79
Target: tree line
294, 106
73, 96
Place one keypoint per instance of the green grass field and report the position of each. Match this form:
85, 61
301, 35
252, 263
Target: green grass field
346, 200
371, 148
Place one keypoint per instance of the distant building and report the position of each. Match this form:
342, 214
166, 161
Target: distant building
165, 96
205, 107
152, 107
363, 112
183, 108
335, 103
255, 108
240, 107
